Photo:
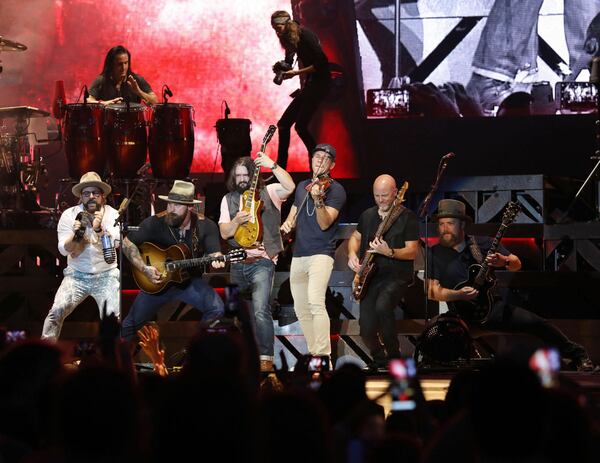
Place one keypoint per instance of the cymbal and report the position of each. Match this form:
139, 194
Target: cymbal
9, 45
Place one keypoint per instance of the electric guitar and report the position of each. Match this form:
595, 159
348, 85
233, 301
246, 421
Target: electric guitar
250, 232
367, 266
482, 277
172, 264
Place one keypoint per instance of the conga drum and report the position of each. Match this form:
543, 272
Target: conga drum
125, 138
82, 134
171, 140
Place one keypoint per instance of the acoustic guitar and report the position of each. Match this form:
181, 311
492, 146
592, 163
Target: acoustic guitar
173, 262
250, 232
367, 266
482, 277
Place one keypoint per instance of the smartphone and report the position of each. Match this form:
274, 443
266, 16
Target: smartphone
15, 336
388, 103
318, 363
545, 363
576, 96
402, 376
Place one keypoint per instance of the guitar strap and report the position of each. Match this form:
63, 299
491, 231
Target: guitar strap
475, 250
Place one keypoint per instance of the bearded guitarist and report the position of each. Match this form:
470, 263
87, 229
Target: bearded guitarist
394, 253
449, 263
257, 272
179, 224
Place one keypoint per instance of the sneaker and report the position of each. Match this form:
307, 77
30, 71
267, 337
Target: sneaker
266, 366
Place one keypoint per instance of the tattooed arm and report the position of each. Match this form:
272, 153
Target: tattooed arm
132, 253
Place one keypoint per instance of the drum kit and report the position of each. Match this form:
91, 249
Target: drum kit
116, 139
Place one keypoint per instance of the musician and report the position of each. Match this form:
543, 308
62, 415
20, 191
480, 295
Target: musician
313, 69
79, 238
117, 82
179, 224
448, 264
257, 272
314, 215
394, 253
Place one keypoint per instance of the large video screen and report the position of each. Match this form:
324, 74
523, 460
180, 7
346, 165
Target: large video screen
477, 57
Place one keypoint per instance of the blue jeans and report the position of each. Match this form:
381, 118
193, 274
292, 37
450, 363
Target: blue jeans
258, 277
509, 40
197, 293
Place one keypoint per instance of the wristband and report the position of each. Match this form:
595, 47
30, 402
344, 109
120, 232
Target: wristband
391, 256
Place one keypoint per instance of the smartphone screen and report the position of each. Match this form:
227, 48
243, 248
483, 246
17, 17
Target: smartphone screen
576, 96
545, 363
403, 374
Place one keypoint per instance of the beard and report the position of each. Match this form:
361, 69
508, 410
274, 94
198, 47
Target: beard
174, 220
449, 240
241, 187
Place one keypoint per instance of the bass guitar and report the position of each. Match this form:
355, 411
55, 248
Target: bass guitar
250, 232
173, 262
367, 266
482, 277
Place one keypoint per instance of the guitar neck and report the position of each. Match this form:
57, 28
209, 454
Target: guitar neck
254, 182
190, 263
485, 267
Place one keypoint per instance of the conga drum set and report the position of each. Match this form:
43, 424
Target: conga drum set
116, 139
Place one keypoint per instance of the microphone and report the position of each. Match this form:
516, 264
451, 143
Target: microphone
227, 110
448, 156
86, 94
595, 72
143, 169
168, 91
108, 250
122, 208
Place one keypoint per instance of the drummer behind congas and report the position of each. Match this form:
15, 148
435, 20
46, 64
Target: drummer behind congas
117, 83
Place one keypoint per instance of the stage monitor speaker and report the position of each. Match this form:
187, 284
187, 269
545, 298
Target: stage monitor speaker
234, 138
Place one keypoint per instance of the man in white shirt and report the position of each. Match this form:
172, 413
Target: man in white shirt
257, 272
80, 230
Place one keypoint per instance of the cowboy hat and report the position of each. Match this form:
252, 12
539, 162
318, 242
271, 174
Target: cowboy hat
90, 179
451, 208
181, 193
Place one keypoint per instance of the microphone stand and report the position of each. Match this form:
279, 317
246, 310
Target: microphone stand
123, 225
423, 214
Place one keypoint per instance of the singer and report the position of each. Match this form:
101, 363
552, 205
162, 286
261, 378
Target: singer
118, 83
85, 234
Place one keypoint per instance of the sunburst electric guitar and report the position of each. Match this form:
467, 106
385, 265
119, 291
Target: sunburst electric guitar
250, 232
172, 263
367, 266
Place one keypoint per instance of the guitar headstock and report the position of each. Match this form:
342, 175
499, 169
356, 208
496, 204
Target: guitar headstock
236, 255
401, 193
267, 138
510, 213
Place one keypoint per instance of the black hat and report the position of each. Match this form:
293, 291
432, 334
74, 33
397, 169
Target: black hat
325, 147
451, 208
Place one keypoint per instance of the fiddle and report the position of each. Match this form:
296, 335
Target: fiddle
323, 180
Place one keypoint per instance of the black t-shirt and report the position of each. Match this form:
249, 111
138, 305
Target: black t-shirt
404, 229
155, 230
451, 267
309, 53
104, 89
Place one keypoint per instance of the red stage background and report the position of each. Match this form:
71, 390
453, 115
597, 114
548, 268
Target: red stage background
206, 51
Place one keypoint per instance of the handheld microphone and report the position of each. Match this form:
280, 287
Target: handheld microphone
108, 250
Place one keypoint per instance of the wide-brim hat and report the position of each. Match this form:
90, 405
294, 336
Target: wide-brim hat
181, 193
90, 179
451, 209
